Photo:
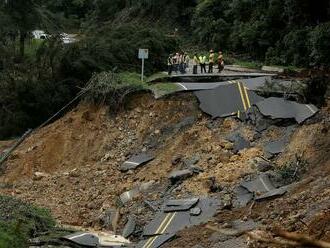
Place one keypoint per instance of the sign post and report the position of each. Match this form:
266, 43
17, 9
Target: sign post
143, 54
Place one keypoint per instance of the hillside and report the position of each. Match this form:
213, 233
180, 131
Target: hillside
72, 166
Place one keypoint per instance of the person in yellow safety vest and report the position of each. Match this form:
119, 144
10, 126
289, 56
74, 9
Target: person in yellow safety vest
211, 61
202, 62
195, 63
221, 64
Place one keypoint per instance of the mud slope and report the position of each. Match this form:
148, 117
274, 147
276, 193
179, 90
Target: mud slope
71, 166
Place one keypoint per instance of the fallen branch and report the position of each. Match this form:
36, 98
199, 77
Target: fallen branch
263, 237
286, 238
303, 239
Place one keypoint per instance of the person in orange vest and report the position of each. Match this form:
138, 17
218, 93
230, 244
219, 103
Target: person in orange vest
211, 61
221, 64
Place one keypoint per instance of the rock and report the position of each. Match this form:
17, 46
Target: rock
213, 186
229, 146
74, 173
192, 161
264, 166
195, 211
106, 157
87, 116
196, 169
261, 165
31, 148
176, 160
109, 219
234, 158
157, 132
39, 175
138, 110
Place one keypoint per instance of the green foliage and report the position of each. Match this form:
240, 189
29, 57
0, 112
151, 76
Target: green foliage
280, 32
20, 221
110, 47
320, 45
32, 91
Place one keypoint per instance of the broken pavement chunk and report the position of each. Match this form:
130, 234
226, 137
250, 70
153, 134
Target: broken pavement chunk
271, 194
172, 222
240, 142
260, 185
85, 239
276, 147
261, 188
227, 100
243, 197
180, 205
279, 108
177, 175
129, 227
156, 241
136, 161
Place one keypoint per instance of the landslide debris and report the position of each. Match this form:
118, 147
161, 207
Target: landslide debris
73, 166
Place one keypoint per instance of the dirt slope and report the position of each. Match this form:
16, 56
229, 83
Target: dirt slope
71, 166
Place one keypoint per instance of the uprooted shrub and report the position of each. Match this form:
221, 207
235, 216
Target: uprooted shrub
109, 88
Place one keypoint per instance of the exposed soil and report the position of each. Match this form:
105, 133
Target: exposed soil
71, 166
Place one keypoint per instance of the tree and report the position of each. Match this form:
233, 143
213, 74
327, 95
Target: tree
24, 16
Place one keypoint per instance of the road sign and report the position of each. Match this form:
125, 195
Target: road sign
143, 54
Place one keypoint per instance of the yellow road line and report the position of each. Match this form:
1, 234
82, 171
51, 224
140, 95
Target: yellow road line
247, 97
160, 226
242, 97
161, 229
169, 222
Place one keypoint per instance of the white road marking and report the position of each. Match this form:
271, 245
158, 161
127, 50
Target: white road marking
184, 87
129, 162
268, 189
311, 109
77, 236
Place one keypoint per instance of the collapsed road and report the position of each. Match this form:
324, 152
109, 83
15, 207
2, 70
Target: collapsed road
159, 173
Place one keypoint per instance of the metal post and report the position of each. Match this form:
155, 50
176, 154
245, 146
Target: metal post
142, 73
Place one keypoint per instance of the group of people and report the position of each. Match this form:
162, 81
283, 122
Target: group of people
179, 62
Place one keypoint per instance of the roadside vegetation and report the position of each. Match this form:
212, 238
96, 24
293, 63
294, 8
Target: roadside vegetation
20, 221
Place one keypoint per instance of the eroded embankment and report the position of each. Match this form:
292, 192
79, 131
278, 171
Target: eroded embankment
71, 166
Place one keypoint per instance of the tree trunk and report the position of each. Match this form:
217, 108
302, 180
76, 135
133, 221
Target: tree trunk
22, 44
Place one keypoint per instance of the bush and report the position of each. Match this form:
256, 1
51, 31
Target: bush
320, 45
20, 221
111, 88
293, 49
111, 47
